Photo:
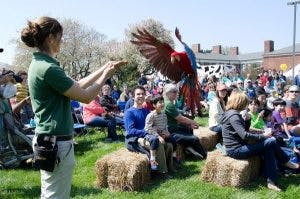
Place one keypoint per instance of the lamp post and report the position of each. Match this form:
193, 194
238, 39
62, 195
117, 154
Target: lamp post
294, 3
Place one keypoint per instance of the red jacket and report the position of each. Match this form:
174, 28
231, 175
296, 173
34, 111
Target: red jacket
91, 110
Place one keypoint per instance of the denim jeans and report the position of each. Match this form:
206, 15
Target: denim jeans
268, 149
217, 129
109, 122
26, 114
153, 140
119, 121
186, 139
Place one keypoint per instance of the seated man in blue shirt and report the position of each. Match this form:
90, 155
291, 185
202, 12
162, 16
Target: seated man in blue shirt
134, 119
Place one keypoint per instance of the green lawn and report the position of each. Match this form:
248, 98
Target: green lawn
25, 183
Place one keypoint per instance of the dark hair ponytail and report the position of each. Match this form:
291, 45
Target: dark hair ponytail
35, 33
30, 34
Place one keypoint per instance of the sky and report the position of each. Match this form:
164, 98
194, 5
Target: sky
243, 23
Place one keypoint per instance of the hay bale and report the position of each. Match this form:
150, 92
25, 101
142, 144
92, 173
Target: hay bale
208, 138
225, 171
123, 171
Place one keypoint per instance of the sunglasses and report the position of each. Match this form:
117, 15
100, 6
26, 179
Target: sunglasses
294, 91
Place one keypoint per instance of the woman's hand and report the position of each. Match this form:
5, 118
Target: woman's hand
112, 66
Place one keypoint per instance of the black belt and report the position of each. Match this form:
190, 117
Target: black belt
58, 137
64, 138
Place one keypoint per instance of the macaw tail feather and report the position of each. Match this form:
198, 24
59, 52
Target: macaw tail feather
191, 92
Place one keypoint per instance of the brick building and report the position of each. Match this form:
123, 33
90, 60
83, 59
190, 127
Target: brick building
268, 59
272, 59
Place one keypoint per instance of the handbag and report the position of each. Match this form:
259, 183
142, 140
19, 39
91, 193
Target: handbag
45, 153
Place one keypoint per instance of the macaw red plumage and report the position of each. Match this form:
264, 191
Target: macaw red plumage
177, 66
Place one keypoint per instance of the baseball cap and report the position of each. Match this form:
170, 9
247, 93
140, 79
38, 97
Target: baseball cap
294, 88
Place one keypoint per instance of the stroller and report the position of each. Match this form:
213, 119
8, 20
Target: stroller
15, 146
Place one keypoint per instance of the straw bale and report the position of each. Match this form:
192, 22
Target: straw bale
208, 138
225, 171
123, 170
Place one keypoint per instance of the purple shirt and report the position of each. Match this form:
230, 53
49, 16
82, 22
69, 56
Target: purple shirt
278, 119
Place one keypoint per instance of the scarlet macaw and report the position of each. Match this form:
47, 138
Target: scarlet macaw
177, 66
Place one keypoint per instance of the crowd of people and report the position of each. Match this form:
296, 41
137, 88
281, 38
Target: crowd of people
252, 117
256, 117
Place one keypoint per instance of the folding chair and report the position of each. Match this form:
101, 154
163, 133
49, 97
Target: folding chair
79, 127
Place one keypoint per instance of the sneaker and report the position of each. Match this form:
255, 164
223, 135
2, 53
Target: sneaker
153, 165
273, 186
221, 148
195, 153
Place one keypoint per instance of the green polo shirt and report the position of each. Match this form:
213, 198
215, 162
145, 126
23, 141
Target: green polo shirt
172, 112
47, 82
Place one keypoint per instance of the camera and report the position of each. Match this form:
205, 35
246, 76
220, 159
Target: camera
17, 78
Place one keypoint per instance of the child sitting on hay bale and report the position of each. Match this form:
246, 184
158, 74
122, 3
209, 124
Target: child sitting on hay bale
235, 139
156, 124
137, 138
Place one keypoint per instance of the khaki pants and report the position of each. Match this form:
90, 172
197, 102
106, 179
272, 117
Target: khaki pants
163, 155
57, 184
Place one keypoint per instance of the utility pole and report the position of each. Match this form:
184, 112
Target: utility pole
294, 3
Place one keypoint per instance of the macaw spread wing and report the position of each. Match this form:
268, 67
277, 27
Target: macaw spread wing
158, 54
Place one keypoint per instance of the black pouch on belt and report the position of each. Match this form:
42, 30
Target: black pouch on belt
45, 153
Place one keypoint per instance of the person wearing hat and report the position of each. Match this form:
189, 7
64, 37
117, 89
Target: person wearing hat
292, 110
240, 85
249, 89
217, 108
181, 127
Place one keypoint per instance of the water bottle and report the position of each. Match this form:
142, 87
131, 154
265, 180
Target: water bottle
32, 123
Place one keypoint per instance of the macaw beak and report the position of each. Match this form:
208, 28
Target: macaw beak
173, 59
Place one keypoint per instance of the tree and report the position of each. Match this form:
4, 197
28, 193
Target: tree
131, 53
23, 55
82, 50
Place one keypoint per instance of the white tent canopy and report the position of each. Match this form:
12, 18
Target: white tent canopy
289, 73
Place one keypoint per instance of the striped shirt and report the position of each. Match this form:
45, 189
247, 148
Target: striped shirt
156, 122
22, 92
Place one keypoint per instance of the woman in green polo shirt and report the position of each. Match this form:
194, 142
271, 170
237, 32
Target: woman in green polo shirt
50, 92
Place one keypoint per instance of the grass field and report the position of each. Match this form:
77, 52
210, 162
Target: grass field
25, 182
